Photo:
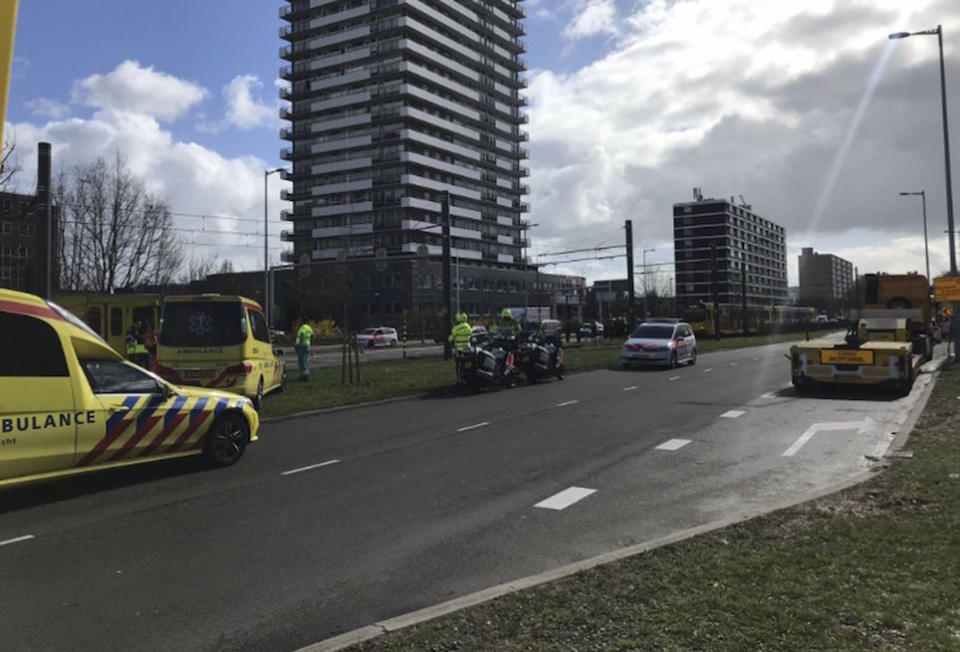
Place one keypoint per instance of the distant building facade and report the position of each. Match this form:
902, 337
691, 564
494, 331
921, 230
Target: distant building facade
826, 281
739, 239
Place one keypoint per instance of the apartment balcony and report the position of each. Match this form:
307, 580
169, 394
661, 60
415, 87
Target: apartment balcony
522, 188
285, 93
287, 236
286, 51
523, 136
525, 224
523, 243
289, 195
523, 118
285, 11
286, 154
286, 72
521, 98
287, 256
285, 31
522, 170
286, 113
522, 153
523, 207
286, 133
288, 175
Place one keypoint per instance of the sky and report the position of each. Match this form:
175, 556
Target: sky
804, 108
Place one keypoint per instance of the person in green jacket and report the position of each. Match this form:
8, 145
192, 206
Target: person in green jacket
302, 346
460, 335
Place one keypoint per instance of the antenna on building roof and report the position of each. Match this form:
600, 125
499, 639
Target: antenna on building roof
697, 194
743, 202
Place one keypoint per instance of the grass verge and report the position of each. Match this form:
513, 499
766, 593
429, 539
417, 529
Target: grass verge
876, 566
384, 380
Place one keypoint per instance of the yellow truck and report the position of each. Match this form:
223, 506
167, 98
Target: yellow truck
887, 345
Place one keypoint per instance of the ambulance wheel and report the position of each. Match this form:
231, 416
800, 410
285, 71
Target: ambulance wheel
258, 398
226, 440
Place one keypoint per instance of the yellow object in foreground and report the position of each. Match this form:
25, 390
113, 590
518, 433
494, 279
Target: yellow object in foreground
8, 28
70, 404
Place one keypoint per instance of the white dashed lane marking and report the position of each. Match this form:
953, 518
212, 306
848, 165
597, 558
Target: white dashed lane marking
733, 414
674, 378
474, 426
311, 467
672, 445
565, 498
734, 364
566, 403
25, 537
629, 389
706, 371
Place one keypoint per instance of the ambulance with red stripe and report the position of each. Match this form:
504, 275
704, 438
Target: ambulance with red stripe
70, 404
221, 342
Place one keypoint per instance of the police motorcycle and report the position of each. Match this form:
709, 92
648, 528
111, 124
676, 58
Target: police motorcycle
538, 357
487, 362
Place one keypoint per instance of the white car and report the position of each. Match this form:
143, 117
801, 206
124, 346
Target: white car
377, 337
661, 344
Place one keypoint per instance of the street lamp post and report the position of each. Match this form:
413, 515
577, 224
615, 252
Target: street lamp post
266, 246
938, 32
926, 241
644, 272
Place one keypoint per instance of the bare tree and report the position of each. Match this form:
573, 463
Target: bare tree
9, 166
199, 268
116, 235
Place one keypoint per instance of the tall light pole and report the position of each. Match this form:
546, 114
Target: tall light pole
926, 241
266, 245
946, 135
643, 255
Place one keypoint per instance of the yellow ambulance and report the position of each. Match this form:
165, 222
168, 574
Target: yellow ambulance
218, 341
71, 404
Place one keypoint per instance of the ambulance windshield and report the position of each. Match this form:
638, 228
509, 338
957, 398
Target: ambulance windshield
202, 324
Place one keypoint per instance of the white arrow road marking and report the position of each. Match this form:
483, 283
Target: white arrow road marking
474, 426
25, 537
862, 427
311, 467
565, 498
672, 445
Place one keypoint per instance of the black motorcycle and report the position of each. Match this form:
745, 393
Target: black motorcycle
487, 363
538, 358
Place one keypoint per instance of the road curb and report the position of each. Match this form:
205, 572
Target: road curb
369, 632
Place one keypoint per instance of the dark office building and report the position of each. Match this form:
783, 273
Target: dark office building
737, 238
826, 281
23, 235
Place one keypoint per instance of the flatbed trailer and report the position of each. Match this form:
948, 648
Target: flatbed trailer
878, 363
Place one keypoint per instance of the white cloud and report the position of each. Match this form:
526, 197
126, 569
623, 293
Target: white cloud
43, 107
132, 88
739, 96
593, 17
243, 109
192, 178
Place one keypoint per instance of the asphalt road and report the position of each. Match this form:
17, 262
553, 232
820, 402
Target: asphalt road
420, 501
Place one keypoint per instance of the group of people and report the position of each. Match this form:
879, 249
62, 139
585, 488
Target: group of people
460, 336
462, 331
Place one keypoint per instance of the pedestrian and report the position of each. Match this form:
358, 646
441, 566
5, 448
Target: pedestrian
302, 346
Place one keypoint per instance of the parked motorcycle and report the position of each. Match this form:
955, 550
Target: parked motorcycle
487, 363
537, 358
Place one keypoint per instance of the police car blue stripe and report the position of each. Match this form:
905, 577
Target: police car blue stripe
148, 411
221, 406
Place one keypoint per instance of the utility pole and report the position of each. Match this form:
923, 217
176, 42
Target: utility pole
447, 294
45, 199
628, 225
